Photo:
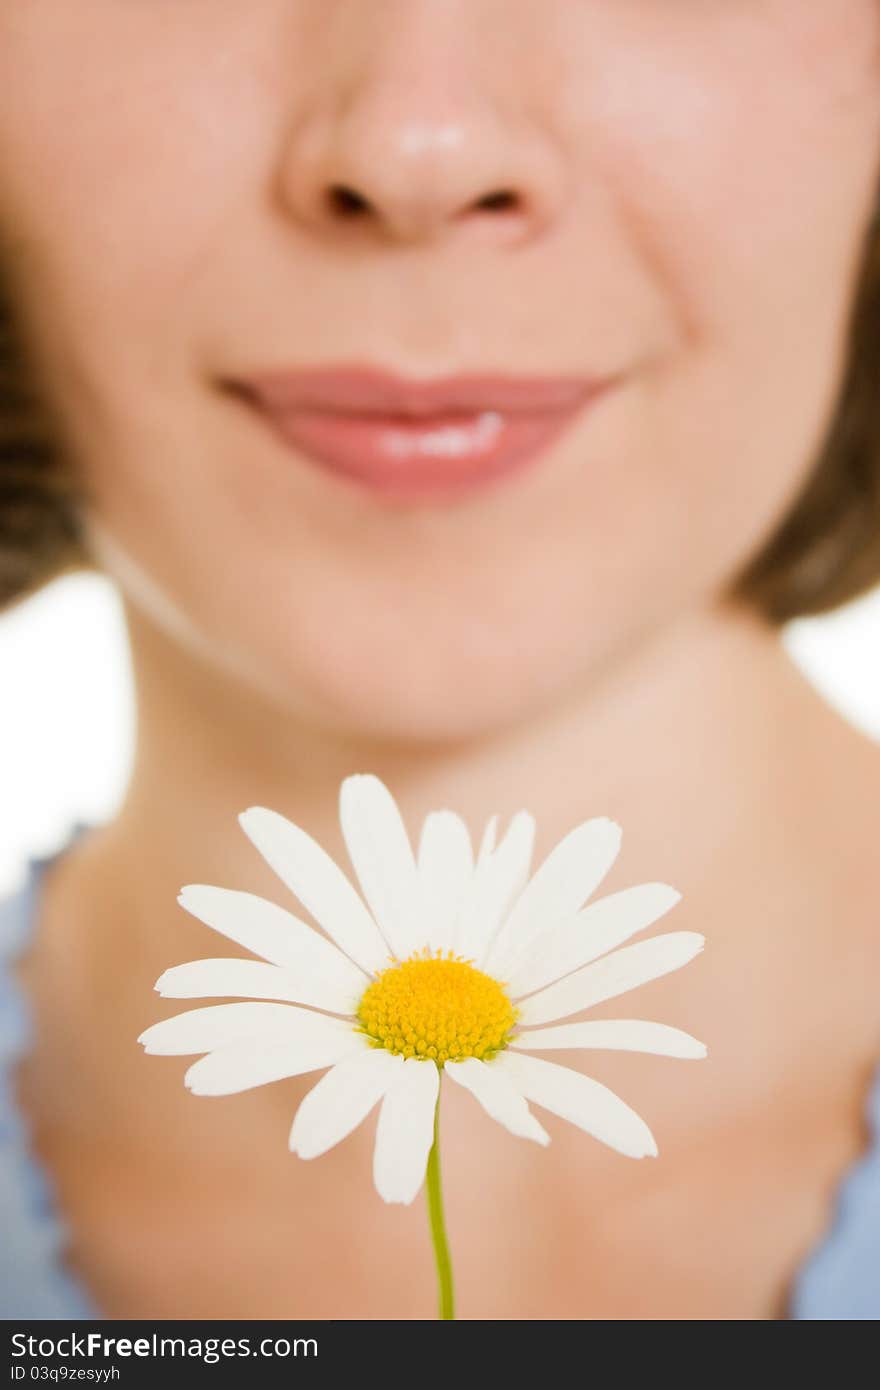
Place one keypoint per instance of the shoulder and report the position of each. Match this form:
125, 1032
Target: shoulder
15, 904
33, 1279
16, 913
842, 1279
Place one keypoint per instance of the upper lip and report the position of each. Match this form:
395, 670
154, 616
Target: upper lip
372, 391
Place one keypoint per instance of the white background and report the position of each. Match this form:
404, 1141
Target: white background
67, 710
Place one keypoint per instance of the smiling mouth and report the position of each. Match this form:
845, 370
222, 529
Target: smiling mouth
412, 439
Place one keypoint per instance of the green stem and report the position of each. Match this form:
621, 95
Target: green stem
438, 1226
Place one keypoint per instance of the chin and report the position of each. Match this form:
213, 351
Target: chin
423, 695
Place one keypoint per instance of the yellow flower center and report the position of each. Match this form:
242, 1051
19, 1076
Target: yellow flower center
438, 1007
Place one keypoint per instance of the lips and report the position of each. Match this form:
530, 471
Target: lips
413, 439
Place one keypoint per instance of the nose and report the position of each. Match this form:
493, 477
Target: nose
415, 151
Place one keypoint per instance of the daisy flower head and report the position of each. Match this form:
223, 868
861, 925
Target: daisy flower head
446, 964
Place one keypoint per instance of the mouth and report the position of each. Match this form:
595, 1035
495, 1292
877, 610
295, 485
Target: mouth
415, 439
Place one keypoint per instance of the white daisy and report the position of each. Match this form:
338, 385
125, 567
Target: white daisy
447, 965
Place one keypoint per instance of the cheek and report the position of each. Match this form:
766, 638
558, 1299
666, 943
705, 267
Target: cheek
742, 150
119, 106
741, 147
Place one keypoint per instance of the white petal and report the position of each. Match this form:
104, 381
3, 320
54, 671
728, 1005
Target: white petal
203, 1030
337, 1104
382, 856
516, 846
497, 882
589, 934
618, 1034
580, 1100
487, 844
446, 867
319, 883
226, 978
275, 934
562, 884
256, 1061
498, 1097
612, 975
405, 1131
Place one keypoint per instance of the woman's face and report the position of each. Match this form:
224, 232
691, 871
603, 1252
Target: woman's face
686, 188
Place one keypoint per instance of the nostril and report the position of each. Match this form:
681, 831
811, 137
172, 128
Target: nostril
346, 202
501, 200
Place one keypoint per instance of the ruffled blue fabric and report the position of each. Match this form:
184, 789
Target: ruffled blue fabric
839, 1280
34, 1281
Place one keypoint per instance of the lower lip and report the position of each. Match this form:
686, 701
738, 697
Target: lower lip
412, 458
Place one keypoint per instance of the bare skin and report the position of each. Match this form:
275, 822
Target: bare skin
187, 1207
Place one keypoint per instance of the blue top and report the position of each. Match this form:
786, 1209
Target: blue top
839, 1280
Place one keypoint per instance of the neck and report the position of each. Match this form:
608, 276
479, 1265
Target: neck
727, 774
669, 740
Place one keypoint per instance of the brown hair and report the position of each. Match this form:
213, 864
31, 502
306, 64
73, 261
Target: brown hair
826, 550
39, 530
